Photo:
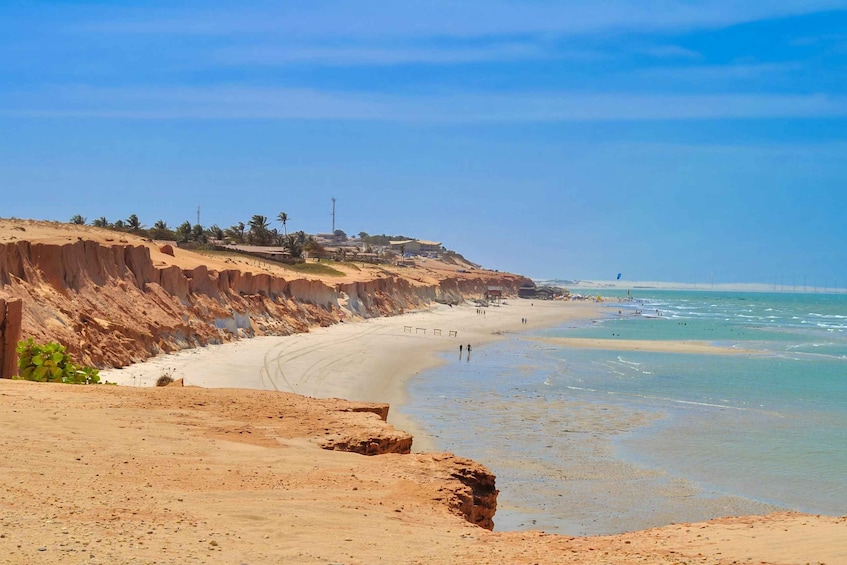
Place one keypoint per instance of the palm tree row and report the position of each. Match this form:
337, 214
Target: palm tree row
256, 232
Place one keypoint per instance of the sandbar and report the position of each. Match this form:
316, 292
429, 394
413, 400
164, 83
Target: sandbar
654, 345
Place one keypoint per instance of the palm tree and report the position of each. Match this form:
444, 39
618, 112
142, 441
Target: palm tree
283, 219
78, 220
293, 245
133, 223
160, 230
275, 238
183, 232
235, 233
100, 222
215, 232
259, 229
197, 233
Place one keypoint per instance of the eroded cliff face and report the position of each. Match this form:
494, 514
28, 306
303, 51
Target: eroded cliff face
111, 305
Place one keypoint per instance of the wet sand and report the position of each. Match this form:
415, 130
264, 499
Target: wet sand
367, 360
557, 455
657, 345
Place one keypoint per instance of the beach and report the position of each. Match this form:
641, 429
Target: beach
120, 475
368, 360
253, 456
221, 475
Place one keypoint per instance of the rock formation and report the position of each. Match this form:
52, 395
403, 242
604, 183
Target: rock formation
110, 304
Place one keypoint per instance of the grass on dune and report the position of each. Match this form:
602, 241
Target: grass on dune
322, 268
310, 268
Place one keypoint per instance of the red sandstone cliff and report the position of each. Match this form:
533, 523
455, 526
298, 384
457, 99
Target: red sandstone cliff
115, 303
112, 304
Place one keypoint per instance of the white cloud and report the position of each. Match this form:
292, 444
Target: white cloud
384, 55
715, 73
670, 52
238, 103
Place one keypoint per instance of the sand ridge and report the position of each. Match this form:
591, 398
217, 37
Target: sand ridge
694, 347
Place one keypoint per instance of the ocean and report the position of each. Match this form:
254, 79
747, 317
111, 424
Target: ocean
589, 441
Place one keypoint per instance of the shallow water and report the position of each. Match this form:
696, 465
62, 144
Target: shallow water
593, 441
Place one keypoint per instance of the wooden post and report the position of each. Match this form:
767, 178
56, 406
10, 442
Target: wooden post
10, 329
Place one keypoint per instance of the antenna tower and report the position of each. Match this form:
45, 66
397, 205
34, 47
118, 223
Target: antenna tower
198, 214
333, 214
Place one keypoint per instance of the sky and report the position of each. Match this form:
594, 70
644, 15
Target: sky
684, 141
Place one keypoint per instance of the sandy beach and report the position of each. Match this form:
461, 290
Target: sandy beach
220, 475
120, 475
234, 469
368, 360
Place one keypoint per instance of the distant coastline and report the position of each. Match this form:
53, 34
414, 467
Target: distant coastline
706, 286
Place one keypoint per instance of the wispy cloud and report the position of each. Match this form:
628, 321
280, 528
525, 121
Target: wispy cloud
670, 52
385, 55
824, 38
245, 103
445, 18
720, 73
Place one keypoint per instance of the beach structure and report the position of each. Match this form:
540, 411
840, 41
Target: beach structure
415, 247
494, 293
264, 252
527, 290
531, 290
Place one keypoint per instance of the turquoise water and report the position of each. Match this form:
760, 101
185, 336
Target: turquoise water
748, 430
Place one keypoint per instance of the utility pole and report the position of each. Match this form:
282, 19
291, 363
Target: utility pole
198, 214
333, 215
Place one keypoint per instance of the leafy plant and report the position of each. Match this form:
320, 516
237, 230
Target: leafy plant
50, 362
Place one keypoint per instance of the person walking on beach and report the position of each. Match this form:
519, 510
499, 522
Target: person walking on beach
460, 352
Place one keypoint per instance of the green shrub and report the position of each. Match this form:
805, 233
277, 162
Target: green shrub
51, 363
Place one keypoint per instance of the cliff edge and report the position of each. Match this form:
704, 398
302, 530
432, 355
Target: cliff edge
114, 299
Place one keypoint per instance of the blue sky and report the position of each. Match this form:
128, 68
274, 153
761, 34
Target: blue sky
675, 141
